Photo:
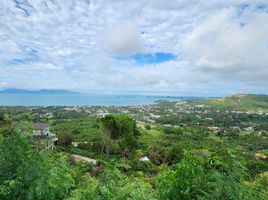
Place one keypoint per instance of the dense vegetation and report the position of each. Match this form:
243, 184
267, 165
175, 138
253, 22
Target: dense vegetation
176, 157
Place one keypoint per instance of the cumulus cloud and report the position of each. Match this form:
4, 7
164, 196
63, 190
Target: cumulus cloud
123, 39
230, 44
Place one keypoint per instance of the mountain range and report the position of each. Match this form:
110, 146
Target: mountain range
42, 91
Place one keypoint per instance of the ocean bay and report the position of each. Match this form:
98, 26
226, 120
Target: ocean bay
77, 100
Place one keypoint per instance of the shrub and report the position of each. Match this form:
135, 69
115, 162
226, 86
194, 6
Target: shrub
65, 139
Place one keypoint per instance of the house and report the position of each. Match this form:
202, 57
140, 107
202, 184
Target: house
41, 132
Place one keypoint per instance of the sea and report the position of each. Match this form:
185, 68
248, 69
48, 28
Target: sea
79, 100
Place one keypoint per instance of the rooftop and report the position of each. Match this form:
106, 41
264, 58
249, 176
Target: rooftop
40, 126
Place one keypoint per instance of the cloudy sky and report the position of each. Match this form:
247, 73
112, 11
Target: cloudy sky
176, 47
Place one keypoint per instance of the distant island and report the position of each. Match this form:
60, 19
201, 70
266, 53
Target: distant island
42, 91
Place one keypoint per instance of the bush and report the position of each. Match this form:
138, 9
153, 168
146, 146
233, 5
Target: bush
175, 131
147, 127
65, 139
157, 154
76, 132
28, 174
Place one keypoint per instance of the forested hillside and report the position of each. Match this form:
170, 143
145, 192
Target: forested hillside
242, 102
179, 156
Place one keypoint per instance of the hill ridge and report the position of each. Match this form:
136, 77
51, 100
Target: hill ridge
41, 91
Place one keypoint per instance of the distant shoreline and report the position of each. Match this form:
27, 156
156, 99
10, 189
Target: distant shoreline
81, 100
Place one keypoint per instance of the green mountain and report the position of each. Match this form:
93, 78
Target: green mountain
239, 102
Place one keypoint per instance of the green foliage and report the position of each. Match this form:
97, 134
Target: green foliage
186, 161
187, 181
5, 127
119, 126
113, 186
195, 178
147, 127
119, 134
175, 131
173, 120
248, 102
26, 173
76, 132
117, 186
257, 189
157, 154
65, 139
87, 189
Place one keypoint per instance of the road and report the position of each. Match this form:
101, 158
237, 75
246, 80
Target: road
79, 158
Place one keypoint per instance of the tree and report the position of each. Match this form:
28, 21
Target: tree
186, 182
196, 178
26, 173
118, 132
6, 127
65, 139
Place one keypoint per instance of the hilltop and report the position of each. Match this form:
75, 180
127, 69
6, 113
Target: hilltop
242, 102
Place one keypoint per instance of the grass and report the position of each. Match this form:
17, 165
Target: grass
149, 136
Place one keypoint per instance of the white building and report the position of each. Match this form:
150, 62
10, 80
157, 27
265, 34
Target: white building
41, 129
41, 132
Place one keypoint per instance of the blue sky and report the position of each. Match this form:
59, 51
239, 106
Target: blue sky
142, 59
183, 47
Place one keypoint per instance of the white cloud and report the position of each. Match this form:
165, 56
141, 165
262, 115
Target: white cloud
72, 44
123, 39
230, 44
3, 85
